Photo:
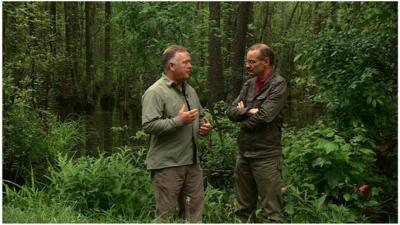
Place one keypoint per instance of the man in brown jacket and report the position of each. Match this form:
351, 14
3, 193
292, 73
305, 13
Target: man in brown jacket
259, 109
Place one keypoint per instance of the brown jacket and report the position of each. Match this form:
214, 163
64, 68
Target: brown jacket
260, 134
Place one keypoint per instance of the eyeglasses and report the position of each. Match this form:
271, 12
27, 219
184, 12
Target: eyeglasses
250, 62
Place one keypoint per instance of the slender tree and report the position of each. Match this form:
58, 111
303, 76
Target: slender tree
107, 99
215, 78
71, 49
90, 11
317, 18
50, 95
266, 21
228, 20
238, 49
291, 17
32, 53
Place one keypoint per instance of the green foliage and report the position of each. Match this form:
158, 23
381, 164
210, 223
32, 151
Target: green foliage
302, 206
65, 137
353, 64
321, 156
32, 137
31, 205
320, 161
219, 206
219, 147
143, 31
113, 182
26, 49
349, 67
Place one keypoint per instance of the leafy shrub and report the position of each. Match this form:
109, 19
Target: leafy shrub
304, 206
321, 156
321, 161
219, 148
116, 182
32, 137
65, 137
354, 67
219, 206
350, 67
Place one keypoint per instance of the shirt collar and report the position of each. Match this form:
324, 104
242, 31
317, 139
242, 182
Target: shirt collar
267, 74
172, 83
168, 81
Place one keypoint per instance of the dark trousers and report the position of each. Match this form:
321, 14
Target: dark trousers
261, 177
182, 184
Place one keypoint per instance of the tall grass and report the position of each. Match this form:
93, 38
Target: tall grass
104, 183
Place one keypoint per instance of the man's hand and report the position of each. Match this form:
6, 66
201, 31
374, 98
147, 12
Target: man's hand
206, 127
252, 111
187, 117
240, 105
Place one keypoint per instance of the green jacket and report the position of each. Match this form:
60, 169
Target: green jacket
171, 143
260, 134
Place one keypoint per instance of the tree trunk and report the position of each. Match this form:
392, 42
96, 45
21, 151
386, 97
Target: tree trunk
228, 28
333, 11
317, 18
251, 36
90, 67
107, 99
271, 11
298, 22
32, 53
238, 50
71, 37
50, 104
264, 26
291, 17
283, 17
5, 23
10, 43
215, 78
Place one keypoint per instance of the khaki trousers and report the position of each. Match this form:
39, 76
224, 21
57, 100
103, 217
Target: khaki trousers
261, 177
182, 184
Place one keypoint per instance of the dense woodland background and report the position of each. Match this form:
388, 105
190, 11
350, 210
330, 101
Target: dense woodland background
74, 74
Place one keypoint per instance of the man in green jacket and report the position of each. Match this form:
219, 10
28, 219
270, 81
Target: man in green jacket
173, 117
259, 109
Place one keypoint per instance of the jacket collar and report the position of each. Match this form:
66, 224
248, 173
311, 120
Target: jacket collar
266, 84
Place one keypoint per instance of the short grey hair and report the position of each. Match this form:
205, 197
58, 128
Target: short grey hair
169, 53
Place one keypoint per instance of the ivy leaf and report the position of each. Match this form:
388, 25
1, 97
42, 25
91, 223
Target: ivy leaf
347, 197
358, 138
321, 201
320, 162
367, 151
297, 57
330, 146
289, 209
